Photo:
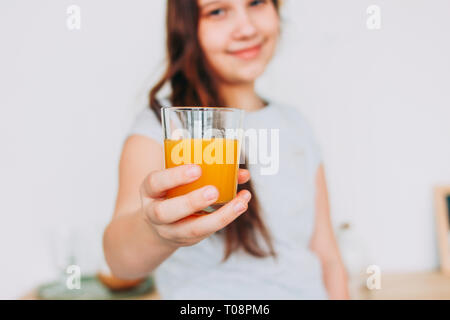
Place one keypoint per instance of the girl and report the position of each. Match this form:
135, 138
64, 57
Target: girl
275, 239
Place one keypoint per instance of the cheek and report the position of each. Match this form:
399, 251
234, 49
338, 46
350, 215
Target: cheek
268, 23
212, 41
270, 30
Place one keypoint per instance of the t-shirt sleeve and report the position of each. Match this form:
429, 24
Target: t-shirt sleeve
147, 124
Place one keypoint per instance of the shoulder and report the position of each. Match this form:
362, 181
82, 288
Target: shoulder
146, 122
145, 118
293, 114
148, 114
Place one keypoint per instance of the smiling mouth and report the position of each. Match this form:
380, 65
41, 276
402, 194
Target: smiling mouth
248, 53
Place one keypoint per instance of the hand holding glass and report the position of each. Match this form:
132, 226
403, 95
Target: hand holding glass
209, 137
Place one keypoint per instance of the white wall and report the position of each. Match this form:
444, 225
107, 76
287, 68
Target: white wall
379, 102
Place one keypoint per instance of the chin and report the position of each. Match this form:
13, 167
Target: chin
247, 79
238, 70
247, 72
251, 74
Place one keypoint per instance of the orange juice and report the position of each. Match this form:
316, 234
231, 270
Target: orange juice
218, 158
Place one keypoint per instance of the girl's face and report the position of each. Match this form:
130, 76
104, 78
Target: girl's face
238, 37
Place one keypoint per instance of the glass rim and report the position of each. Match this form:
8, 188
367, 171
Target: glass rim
189, 108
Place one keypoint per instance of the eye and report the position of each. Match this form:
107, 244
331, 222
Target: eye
216, 12
257, 2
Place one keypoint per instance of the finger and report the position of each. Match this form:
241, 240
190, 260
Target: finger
174, 209
158, 182
243, 176
210, 223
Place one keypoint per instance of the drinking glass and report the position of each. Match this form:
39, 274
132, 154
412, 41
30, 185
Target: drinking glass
210, 137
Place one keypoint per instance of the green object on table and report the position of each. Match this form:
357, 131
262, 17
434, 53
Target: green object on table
91, 289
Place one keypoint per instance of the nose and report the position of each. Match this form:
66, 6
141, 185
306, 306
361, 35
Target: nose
245, 27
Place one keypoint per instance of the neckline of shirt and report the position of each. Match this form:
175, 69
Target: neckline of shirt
267, 107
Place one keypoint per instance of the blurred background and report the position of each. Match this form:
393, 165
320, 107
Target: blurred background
378, 99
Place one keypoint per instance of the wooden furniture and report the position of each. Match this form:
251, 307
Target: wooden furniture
402, 286
405, 286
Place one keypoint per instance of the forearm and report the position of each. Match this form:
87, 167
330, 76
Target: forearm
132, 249
335, 279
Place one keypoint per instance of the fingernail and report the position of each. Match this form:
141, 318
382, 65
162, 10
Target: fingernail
193, 172
247, 196
239, 207
210, 193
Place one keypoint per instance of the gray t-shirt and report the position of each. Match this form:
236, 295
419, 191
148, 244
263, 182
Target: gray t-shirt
287, 202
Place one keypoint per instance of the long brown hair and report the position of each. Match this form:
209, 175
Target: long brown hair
192, 84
